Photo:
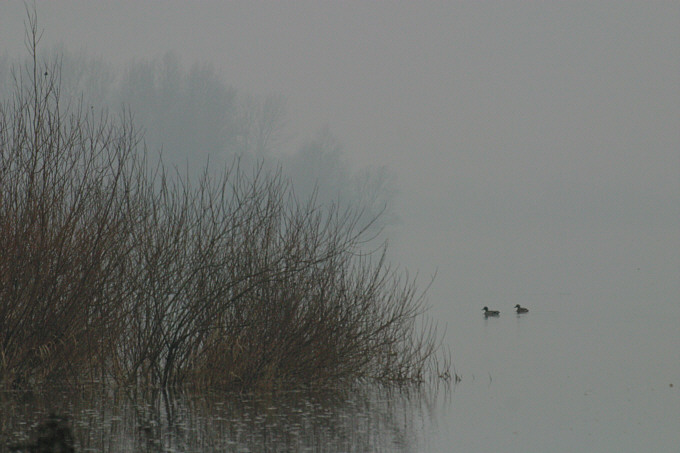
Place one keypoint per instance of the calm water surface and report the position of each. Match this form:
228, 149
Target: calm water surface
574, 374
366, 419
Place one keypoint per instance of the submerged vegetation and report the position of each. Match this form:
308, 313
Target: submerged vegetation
115, 270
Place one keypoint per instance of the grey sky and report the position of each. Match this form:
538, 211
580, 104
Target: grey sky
536, 144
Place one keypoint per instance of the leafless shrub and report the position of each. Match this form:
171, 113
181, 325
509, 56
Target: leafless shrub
113, 269
63, 174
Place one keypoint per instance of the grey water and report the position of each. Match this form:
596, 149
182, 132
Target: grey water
365, 419
576, 373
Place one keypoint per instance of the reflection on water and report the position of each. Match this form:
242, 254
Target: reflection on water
368, 418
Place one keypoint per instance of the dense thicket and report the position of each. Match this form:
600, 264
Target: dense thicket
114, 270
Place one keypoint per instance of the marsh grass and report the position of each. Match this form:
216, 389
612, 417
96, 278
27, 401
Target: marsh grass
114, 270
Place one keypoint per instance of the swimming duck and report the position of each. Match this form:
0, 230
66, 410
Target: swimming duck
521, 309
488, 312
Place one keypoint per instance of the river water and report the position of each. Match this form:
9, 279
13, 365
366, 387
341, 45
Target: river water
576, 373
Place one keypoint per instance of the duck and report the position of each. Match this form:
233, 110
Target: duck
488, 312
521, 309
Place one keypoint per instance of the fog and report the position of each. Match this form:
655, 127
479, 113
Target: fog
526, 150
534, 146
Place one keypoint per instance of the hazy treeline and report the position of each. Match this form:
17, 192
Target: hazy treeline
196, 119
115, 269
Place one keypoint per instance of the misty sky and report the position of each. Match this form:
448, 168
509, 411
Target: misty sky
536, 145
